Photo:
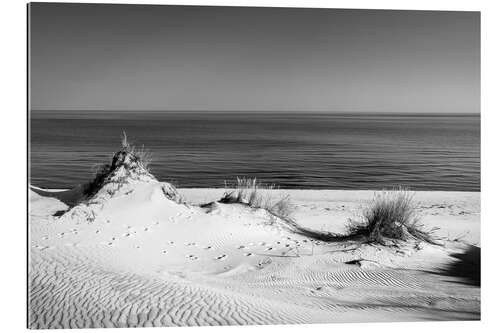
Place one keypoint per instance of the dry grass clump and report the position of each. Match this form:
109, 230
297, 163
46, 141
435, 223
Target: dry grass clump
390, 215
256, 195
141, 155
128, 156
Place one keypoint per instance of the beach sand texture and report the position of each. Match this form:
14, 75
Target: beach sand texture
135, 256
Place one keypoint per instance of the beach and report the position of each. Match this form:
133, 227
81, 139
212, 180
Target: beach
200, 165
144, 259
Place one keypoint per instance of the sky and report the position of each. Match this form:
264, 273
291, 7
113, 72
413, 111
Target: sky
175, 58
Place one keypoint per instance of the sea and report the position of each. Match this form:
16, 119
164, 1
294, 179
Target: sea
437, 152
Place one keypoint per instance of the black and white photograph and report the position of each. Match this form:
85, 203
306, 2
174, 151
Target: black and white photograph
219, 165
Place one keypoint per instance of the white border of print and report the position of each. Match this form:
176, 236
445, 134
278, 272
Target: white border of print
14, 180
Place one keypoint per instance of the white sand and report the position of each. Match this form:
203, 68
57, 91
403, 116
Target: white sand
144, 260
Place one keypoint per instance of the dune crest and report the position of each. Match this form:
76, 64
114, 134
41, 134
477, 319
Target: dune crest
126, 168
121, 177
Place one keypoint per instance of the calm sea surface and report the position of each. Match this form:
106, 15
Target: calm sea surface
309, 151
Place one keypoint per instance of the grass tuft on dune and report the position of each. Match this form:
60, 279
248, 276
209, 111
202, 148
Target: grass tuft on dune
256, 195
390, 215
133, 161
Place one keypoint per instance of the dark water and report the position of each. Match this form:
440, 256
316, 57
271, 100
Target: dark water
314, 151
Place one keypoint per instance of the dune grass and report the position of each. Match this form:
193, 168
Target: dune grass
143, 156
140, 155
256, 195
390, 215
136, 157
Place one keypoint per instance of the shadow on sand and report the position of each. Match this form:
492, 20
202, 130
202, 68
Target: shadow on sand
467, 268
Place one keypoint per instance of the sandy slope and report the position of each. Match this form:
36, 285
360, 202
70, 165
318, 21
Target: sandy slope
456, 214
141, 259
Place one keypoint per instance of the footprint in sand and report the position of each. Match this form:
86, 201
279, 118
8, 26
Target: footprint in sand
61, 235
157, 223
269, 249
45, 237
137, 247
207, 247
262, 243
171, 242
43, 248
146, 229
248, 254
221, 257
164, 252
241, 247
192, 257
189, 244
97, 231
263, 263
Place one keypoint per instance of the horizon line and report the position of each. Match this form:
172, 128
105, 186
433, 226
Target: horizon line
253, 111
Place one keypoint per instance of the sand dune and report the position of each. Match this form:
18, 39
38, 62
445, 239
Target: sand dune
139, 254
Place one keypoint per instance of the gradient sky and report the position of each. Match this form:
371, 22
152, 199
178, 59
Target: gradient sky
137, 57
